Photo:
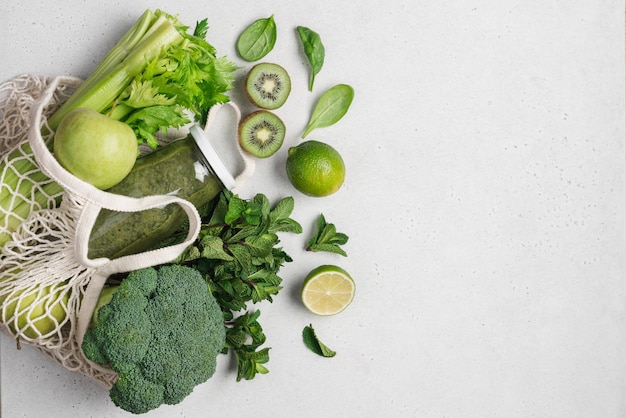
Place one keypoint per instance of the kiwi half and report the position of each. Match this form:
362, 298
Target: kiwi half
261, 133
267, 85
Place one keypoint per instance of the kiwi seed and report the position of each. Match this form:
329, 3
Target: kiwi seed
267, 85
261, 133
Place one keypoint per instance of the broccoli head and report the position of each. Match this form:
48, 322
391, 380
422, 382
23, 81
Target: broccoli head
161, 332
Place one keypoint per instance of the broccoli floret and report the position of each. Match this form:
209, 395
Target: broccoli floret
161, 332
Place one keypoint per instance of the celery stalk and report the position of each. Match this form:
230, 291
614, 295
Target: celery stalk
119, 111
21, 209
142, 42
120, 51
147, 41
4, 238
25, 187
108, 87
11, 177
10, 181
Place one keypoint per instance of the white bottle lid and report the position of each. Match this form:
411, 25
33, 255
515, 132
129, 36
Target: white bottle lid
215, 162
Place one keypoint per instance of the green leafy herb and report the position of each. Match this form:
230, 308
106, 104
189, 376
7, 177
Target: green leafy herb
257, 40
238, 254
244, 336
327, 238
330, 108
314, 51
237, 248
156, 77
314, 344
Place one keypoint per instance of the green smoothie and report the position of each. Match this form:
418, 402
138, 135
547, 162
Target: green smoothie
172, 170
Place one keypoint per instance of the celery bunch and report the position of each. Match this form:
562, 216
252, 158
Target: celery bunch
155, 73
157, 76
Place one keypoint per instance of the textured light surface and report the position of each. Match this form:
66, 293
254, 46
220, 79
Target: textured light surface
484, 200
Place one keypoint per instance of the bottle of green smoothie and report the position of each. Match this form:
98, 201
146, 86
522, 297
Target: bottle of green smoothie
188, 168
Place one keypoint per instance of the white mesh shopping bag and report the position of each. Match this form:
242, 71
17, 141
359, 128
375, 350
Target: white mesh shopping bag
47, 281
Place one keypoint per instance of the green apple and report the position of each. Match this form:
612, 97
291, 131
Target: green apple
43, 315
95, 148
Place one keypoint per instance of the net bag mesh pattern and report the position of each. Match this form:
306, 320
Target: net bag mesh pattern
47, 281
20, 177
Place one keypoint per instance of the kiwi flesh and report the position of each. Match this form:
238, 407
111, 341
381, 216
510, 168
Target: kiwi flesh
261, 133
267, 85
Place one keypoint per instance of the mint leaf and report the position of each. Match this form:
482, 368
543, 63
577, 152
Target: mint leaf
244, 336
263, 204
251, 363
329, 248
282, 209
238, 253
327, 238
213, 248
260, 246
236, 209
314, 344
279, 217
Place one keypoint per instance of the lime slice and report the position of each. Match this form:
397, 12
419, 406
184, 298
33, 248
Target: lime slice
327, 290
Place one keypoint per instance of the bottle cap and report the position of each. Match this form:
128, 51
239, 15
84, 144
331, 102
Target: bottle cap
214, 160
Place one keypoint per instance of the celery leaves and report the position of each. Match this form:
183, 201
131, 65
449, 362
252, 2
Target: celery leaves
143, 94
167, 77
147, 121
186, 75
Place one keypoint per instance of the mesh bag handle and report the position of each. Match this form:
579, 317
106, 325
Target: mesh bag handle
51, 247
96, 199
91, 201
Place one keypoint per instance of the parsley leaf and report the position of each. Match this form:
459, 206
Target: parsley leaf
314, 344
327, 238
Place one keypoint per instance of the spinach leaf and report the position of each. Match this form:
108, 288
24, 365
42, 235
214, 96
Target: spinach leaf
257, 40
314, 51
331, 106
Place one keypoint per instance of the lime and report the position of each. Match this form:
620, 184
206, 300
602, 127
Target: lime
327, 290
315, 168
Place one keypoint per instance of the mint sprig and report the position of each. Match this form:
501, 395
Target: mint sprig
238, 253
326, 238
244, 336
